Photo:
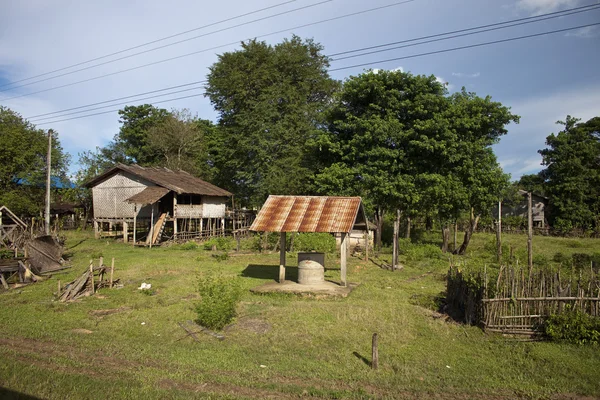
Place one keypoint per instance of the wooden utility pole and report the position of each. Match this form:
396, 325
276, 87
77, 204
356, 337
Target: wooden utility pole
48, 181
529, 232
499, 233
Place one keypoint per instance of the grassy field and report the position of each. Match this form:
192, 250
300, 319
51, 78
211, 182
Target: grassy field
279, 346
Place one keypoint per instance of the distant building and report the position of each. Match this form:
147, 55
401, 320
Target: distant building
156, 197
538, 204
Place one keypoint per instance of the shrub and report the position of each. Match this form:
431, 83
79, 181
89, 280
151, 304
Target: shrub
321, 242
189, 246
562, 259
219, 297
422, 252
540, 260
581, 260
221, 257
573, 327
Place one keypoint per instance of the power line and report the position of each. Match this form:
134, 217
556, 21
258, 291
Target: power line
120, 104
477, 29
464, 47
149, 43
209, 49
111, 111
169, 44
117, 99
374, 62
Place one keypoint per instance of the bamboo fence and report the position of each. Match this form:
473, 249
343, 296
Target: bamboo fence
513, 300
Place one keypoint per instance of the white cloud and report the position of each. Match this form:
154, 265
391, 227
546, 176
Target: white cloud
587, 32
466, 75
537, 7
508, 162
444, 82
530, 165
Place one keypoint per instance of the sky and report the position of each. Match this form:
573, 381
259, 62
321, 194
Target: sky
543, 79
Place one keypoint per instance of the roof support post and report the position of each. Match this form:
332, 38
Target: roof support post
282, 257
343, 248
135, 212
175, 215
125, 231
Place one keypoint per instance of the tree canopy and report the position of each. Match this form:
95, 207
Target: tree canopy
270, 101
572, 175
23, 155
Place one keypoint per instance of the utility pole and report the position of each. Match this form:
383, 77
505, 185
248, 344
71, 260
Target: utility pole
48, 178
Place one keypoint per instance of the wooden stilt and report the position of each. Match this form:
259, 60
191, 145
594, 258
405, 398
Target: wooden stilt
282, 257
343, 249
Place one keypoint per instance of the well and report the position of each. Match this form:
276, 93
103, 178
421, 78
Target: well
311, 268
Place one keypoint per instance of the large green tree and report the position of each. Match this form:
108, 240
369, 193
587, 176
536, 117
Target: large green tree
572, 175
23, 155
270, 101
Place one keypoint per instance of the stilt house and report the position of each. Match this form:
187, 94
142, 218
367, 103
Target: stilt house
156, 200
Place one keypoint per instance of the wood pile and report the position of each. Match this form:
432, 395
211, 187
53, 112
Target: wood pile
92, 279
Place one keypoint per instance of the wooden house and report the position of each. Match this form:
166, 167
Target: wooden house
135, 197
538, 205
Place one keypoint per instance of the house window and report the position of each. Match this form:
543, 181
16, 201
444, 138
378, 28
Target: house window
192, 199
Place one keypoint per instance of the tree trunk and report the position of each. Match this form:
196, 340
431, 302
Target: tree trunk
499, 234
408, 225
445, 237
468, 234
379, 224
428, 224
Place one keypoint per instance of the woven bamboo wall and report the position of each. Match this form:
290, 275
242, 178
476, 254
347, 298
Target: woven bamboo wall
109, 196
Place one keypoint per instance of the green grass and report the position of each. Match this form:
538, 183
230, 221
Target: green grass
311, 347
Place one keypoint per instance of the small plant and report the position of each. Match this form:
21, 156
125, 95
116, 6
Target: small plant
220, 243
221, 257
189, 246
219, 297
321, 242
573, 327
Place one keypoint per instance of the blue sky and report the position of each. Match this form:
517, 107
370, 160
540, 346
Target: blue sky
543, 79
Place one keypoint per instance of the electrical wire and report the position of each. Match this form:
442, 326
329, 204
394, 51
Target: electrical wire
119, 104
149, 43
492, 27
117, 99
111, 111
169, 45
464, 47
209, 49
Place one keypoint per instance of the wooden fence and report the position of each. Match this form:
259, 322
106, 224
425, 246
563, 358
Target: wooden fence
516, 301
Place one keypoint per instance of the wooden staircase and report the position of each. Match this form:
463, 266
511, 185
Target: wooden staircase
159, 227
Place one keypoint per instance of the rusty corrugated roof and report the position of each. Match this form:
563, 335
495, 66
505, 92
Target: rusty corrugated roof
150, 195
177, 181
308, 214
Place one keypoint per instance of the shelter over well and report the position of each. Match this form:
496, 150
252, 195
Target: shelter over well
311, 214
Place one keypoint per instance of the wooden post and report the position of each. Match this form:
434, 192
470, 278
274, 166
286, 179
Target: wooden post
223, 226
151, 225
48, 176
174, 215
92, 275
134, 223
499, 233
232, 214
395, 241
101, 262
112, 270
125, 231
282, 257
375, 353
343, 248
367, 243
237, 238
96, 229
529, 232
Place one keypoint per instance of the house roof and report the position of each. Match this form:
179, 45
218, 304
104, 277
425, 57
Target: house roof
150, 195
524, 193
310, 214
177, 181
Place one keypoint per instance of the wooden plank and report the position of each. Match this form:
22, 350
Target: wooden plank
158, 227
4, 284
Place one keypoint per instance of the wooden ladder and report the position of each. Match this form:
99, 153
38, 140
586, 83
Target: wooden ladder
159, 226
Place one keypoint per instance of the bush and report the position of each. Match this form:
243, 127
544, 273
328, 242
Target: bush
219, 297
540, 260
321, 242
422, 252
189, 246
581, 260
221, 243
573, 327
562, 259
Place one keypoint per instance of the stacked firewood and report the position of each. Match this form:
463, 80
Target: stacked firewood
92, 279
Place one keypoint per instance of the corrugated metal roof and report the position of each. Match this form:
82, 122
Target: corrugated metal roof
308, 214
177, 181
150, 195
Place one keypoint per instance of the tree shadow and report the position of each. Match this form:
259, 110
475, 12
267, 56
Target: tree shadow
76, 244
10, 395
257, 271
362, 358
